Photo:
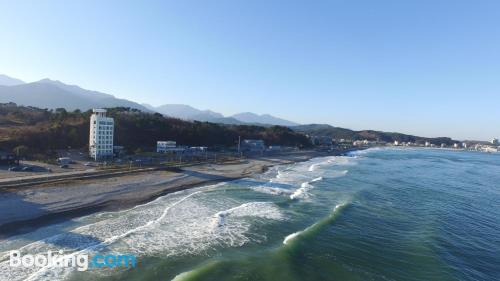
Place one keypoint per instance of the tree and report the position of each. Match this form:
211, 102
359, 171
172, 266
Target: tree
21, 151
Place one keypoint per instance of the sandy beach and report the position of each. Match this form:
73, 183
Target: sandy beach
29, 207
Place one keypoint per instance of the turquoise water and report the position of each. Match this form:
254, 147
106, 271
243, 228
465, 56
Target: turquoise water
380, 214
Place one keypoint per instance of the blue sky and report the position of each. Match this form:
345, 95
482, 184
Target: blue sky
423, 67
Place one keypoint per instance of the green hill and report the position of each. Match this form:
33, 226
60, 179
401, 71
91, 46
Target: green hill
42, 131
342, 133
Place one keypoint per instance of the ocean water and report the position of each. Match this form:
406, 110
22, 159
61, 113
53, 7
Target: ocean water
379, 214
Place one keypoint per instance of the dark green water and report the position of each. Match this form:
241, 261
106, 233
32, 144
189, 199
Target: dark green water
382, 214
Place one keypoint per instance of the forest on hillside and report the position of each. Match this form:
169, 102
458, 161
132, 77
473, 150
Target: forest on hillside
343, 133
42, 131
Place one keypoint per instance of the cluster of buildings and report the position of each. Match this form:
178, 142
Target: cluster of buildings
247, 145
471, 146
171, 147
101, 140
493, 146
329, 142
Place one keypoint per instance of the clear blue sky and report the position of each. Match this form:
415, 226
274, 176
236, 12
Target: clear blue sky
430, 67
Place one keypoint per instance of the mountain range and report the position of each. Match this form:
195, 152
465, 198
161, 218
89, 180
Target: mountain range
187, 112
52, 94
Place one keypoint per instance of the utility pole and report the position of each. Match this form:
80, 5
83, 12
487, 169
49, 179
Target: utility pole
18, 158
239, 146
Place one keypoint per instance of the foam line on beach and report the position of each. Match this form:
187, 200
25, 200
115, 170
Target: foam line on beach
116, 237
127, 233
190, 238
255, 209
86, 226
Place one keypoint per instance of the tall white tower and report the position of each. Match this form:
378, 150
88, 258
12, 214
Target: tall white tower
101, 135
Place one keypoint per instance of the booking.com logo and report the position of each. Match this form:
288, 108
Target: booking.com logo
81, 262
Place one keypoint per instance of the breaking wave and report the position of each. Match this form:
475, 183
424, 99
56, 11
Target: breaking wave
311, 230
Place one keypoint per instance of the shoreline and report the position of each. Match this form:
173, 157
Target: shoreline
29, 208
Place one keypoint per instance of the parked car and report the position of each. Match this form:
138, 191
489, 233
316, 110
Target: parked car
88, 164
15, 169
27, 169
64, 166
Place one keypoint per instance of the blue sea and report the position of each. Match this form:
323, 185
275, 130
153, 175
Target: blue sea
378, 214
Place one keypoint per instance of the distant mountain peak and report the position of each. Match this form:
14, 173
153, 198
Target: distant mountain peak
49, 80
249, 117
48, 93
9, 81
75, 89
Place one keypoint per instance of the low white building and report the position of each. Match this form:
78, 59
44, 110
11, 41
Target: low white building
165, 146
253, 145
101, 135
64, 161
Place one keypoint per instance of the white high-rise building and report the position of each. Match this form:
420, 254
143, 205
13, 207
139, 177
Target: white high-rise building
494, 141
101, 135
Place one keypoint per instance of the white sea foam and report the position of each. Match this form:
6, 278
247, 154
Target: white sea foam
176, 224
183, 227
317, 179
363, 152
340, 173
271, 190
333, 160
265, 210
302, 191
312, 167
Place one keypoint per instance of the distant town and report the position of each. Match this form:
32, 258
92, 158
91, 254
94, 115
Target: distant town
493, 146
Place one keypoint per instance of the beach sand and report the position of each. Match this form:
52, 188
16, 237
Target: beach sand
29, 207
